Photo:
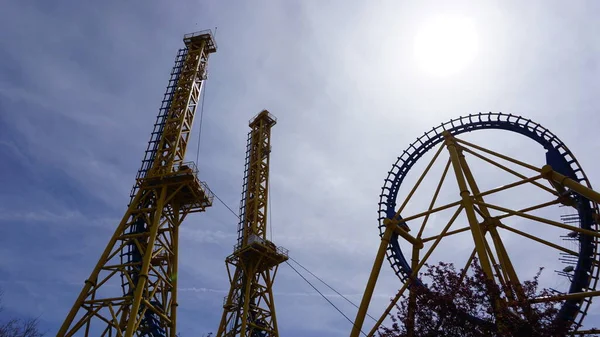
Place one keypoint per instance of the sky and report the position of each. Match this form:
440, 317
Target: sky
81, 84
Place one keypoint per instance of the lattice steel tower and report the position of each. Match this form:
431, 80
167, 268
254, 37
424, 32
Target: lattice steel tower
249, 309
141, 256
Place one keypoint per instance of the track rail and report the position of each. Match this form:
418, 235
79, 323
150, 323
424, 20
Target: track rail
586, 272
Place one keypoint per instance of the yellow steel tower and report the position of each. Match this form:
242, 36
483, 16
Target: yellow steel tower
141, 256
249, 309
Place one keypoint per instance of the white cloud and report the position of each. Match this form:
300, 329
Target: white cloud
347, 94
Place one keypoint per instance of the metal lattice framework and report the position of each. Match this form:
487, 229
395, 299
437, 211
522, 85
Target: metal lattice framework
249, 308
141, 258
569, 186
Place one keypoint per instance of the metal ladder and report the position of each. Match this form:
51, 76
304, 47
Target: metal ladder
130, 253
240, 229
161, 118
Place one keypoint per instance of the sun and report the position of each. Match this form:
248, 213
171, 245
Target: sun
445, 45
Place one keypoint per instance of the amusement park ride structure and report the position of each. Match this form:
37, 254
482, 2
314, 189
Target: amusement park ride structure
565, 184
249, 308
141, 257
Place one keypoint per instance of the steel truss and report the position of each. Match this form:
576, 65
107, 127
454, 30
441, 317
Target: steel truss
141, 258
249, 308
568, 186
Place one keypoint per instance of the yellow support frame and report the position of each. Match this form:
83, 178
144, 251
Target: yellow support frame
249, 308
164, 198
471, 200
466, 200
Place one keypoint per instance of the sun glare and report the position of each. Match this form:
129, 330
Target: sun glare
445, 45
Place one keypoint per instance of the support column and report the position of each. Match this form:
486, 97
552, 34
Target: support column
468, 205
368, 294
143, 275
412, 297
503, 257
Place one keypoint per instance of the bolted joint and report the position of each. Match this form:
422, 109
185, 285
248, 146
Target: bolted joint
390, 222
487, 223
417, 242
465, 193
546, 172
387, 222
491, 222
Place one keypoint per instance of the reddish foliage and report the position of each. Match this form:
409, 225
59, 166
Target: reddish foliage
448, 307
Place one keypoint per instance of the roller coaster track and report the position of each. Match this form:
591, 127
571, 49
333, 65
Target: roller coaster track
586, 272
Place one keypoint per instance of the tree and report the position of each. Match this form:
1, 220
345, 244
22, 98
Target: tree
19, 327
453, 304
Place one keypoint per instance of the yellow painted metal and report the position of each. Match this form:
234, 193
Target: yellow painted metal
542, 220
154, 278
366, 300
562, 180
169, 192
530, 208
500, 273
467, 203
472, 202
368, 294
249, 308
493, 153
412, 191
450, 233
403, 233
535, 238
566, 296
507, 169
434, 198
412, 296
585, 332
134, 322
463, 274
503, 257
178, 126
508, 277
438, 240
174, 264
388, 309
435, 210
505, 187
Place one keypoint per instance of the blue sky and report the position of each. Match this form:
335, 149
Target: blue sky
81, 83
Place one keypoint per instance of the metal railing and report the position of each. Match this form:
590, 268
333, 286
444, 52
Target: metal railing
234, 301
212, 44
279, 249
187, 166
283, 251
207, 192
271, 117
